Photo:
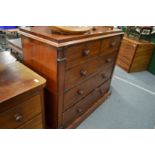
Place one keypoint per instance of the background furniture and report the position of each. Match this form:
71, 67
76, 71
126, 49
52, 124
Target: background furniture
139, 31
7, 32
16, 48
21, 95
78, 69
151, 67
134, 55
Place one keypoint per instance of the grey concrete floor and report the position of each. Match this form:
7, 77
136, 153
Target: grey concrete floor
131, 105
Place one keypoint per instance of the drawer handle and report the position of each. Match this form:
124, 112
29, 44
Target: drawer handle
108, 60
18, 117
116, 49
79, 110
113, 44
83, 72
101, 91
86, 52
103, 76
80, 92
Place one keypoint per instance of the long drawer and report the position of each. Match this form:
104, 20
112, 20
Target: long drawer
21, 113
35, 123
76, 54
82, 72
74, 95
78, 109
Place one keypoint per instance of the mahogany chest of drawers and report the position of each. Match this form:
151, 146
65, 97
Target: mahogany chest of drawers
78, 69
134, 55
21, 97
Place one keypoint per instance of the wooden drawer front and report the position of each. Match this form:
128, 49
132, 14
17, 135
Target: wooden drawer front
127, 51
110, 44
79, 53
108, 59
123, 64
128, 45
79, 108
74, 95
80, 73
124, 59
21, 113
35, 123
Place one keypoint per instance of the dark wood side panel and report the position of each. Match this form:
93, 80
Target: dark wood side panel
42, 58
61, 62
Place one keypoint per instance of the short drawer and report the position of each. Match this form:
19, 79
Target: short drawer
80, 73
78, 109
35, 123
128, 45
110, 44
77, 93
108, 59
81, 52
127, 50
124, 59
18, 115
123, 64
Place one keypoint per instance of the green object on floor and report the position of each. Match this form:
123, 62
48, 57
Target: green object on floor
152, 64
151, 67
124, 28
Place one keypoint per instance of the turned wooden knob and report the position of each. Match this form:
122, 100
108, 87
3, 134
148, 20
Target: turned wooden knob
113, 44
83, 72
18, 117
86, 52
103, 76
108, 60
94, 28
101, 91
80, 92
79, 110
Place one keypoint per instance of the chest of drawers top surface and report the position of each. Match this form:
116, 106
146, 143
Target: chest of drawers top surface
44, 32
141, 42
15, 79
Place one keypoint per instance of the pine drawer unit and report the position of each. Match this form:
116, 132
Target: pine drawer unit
78, 69
134, 55
21, 97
